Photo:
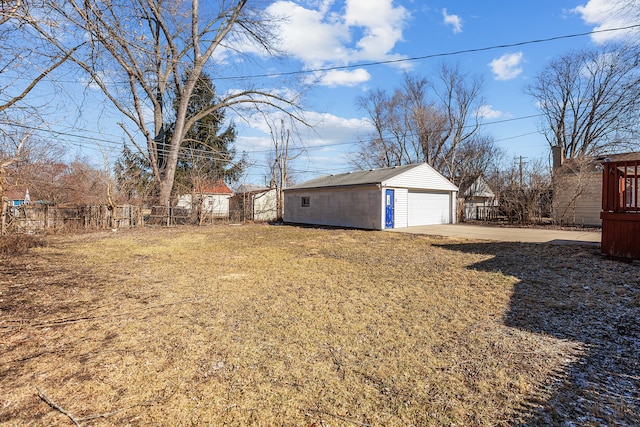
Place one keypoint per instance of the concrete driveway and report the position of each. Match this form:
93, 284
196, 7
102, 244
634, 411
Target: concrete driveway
507, 234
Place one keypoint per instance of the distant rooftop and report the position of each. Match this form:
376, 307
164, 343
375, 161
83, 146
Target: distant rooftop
214, 188
251, 188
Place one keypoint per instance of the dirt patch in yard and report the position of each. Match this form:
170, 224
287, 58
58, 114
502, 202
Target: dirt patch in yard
259, 325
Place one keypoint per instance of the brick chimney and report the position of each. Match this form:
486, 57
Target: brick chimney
558, 156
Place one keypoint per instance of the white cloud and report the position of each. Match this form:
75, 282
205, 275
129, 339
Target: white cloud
246, 143
507, 67
308, 36
381, 24
454, 20
607, 14
329, 128
324, 145
365, 30
335, 78
487, 112
325, 128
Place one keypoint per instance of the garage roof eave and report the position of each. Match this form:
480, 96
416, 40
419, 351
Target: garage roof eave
384, 177
321, 187
349, 179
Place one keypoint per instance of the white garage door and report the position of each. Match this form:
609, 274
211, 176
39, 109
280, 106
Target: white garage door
429, 208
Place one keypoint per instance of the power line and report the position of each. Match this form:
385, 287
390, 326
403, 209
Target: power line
367, 64
202, 154
114, 144
430, 56
414, 58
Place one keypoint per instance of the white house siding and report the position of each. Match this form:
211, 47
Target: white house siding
356, 207
428, 198
581, 210
472, 204
217, 205
422, 177
400, 207
265, 206
184, 201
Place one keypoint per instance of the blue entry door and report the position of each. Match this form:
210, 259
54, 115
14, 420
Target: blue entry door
388, 217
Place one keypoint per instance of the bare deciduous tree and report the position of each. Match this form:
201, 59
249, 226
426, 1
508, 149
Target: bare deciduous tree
8, 9
474, 159
140, 51
25, 61
523, 191
435, 122
590, 100
282, 144
381, 149
12, 151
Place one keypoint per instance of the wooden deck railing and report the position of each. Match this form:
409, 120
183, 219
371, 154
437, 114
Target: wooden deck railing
620, 186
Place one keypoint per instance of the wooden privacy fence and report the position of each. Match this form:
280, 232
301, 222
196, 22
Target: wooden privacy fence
38, 217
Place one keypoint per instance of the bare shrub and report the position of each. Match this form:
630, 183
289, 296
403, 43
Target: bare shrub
19, 244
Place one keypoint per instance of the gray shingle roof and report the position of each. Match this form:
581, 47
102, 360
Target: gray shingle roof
251, 188
373, 176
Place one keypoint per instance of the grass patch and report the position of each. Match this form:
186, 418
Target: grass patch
260, 325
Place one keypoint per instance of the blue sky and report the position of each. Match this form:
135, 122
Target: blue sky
320, 34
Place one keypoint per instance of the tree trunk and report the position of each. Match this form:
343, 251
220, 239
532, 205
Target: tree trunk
3, 223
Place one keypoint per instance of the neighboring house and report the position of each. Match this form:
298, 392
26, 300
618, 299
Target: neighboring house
479, 200
577, 187
374, 199
17, 196
254, 203
11, 202
214, 198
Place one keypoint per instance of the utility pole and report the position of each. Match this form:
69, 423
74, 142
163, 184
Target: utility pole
520, 168
522, 198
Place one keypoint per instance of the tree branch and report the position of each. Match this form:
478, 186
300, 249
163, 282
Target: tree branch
75, 420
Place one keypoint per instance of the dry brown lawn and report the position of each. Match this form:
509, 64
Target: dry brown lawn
279, 325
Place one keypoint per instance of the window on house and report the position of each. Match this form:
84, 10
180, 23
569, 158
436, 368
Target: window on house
305, 202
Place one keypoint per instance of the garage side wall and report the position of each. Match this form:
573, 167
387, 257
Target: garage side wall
357, 207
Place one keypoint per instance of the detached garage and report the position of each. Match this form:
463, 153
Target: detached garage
374, 199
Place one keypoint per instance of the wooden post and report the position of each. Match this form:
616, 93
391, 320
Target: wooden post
3, 225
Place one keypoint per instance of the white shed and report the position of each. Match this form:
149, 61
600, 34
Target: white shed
254, 203
376, 199
213, 198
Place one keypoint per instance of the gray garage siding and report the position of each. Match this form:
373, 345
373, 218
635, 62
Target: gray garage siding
356, 207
